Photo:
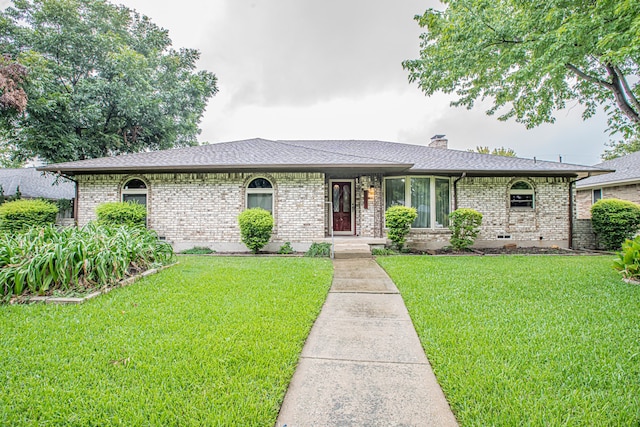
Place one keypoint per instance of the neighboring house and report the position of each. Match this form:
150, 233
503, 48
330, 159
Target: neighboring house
33, 184
624, 184
313, 188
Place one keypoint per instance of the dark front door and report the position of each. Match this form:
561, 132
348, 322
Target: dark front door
342, 201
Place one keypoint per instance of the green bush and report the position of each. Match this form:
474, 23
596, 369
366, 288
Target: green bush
198, 250
43, 260
122, 213
22, 214
628, 262
614, 221
398, 221
285, 249
256, 225
383, 251
465, 226
319, 250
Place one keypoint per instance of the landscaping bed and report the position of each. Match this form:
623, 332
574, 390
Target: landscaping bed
544, 340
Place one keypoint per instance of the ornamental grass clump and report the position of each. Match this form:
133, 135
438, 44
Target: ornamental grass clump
464, 224
42, 260
256, 225
19, 215
398, 221
614, 221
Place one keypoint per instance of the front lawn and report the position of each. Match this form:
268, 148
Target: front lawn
211, 341
527, 340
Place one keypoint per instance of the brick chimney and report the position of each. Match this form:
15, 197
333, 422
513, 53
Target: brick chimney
439, 141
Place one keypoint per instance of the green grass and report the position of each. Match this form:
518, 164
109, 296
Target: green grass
540, 341
211, 341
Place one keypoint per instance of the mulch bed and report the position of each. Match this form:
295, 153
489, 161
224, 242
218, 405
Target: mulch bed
502, 251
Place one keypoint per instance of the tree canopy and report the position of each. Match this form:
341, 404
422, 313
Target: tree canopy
500, 151
532, 57
102, 80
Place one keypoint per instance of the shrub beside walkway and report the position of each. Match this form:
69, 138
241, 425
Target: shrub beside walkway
362, 363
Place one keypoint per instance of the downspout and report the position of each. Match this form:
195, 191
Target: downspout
571, 207
455, 190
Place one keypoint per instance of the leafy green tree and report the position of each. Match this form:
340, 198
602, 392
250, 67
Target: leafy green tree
622, 148
531, 57
103, 80
501, 151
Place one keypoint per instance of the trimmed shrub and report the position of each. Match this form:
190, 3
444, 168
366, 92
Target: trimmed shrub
22, 214
286, 249
398, 221
122, 213
465, 226
319, 250
614, 221
628, 262
198, 250
256, 225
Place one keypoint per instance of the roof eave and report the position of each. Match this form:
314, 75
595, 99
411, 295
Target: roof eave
377, 168
510, 172
613, 183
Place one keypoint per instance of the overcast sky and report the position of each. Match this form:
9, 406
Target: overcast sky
331, 69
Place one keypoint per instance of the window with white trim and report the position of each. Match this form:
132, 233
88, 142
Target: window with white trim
260, 194
597, 194
421, 193
135, 190
521, 195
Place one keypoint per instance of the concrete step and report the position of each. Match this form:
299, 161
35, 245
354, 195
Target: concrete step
352, 250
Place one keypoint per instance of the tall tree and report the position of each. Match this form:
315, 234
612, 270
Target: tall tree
622, 148
103, 80
500, 151
531, 57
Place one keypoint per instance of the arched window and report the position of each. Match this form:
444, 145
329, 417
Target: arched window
260, 194
135, 190
521, 195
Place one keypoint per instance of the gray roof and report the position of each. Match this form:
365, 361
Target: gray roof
34, 184
336, 155
627, 170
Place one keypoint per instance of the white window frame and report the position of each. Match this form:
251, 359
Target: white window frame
432, 196
593, 195
531, 191
249, 191
135, 191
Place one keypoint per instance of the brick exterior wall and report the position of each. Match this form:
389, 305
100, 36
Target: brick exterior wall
545, 225
192, 209
584, 198
583, 235
201, 209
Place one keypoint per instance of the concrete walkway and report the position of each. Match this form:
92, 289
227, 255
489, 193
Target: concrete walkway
362, 364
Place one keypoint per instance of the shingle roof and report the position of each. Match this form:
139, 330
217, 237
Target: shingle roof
34, 184
321, 155
437, 160
627, 169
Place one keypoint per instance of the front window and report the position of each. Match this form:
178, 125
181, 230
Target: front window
421, 193
135, 191
521, 195
597, 195
260, 194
